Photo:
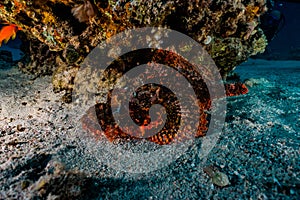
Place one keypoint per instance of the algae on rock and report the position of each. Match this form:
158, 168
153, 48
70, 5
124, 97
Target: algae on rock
56, 41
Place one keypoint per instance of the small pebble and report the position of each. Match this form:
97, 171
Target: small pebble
20, 128
207, 40
220, 179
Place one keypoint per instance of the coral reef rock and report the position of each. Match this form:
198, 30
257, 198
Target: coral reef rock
58, 35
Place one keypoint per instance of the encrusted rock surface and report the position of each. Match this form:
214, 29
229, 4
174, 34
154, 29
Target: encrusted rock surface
58, 35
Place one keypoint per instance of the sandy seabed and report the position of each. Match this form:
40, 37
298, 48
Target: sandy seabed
41, 157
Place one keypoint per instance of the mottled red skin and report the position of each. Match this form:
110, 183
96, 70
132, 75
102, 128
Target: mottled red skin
236, 89
112, 132
91, 124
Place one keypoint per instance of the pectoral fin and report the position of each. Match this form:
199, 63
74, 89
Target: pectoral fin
13, 35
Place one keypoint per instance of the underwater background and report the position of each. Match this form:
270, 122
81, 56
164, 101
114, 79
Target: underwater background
257, 155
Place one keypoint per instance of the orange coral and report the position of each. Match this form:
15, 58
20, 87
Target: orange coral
252, 11
19, 5
48, 18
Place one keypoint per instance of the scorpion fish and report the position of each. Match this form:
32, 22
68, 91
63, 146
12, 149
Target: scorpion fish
99, 118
